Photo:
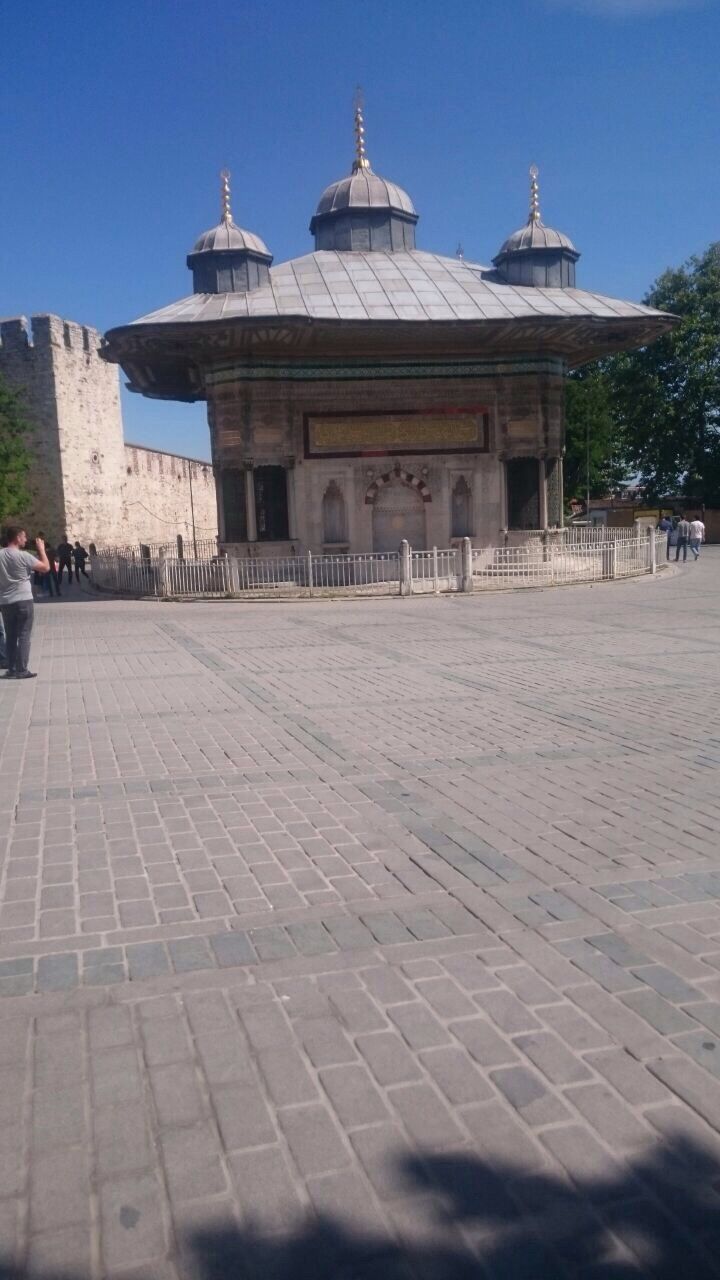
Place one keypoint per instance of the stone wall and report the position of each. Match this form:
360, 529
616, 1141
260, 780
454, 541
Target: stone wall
84, 480
158, 490
27, 365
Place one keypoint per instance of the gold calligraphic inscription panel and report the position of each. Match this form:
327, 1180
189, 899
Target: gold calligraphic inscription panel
358, 433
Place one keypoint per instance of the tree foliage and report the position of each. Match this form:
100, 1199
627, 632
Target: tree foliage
14, 455
590, 421
666, 397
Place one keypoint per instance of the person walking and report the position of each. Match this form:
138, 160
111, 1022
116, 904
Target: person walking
80, 555
64, 555
697, 536
16, 599
665, 526
683, 534
48, 581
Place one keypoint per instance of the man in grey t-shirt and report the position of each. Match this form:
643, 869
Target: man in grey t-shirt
16, 599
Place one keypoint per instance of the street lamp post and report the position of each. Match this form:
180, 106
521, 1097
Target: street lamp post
192, 510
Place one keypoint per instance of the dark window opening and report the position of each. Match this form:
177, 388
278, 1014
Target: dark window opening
462, 521
233, 501
523, 495
271, 505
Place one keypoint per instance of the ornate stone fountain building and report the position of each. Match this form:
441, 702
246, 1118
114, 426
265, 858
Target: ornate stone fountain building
371, 391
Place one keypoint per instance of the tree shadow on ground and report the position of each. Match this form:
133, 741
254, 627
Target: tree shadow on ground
653, 1216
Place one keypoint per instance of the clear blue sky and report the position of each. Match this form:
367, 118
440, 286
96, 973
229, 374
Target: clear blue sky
118, 116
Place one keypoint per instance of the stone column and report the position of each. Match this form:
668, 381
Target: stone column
292, 506
553, 490
542, 495
250, 502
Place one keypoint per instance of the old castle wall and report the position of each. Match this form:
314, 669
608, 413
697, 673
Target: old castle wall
162, 492
85, 481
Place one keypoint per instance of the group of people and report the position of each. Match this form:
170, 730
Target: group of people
63, 557
681, 534
17, 569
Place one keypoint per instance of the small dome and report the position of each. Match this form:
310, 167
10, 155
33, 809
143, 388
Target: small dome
228, 236
364, 190
535, 235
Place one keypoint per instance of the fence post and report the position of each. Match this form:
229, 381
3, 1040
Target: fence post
466, 566
405, 566
310, 572
613, 558
653, 550
163, 574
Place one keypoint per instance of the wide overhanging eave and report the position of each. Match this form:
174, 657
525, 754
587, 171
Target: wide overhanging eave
166, 360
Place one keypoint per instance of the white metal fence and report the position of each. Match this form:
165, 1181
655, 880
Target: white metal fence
538, 563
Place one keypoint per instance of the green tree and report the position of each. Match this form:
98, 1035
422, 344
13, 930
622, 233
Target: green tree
14, 455
590, 421
667, 396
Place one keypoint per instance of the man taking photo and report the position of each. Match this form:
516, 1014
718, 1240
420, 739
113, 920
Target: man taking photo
16, 600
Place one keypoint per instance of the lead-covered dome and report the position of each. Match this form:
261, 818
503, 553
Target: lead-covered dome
229, 236
536, 254
364, 211
228, 259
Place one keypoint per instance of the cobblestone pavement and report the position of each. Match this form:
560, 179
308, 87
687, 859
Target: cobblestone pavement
350, 939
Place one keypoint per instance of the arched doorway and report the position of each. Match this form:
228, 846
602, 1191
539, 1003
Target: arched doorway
398, 512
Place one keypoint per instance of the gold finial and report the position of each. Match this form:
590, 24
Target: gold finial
361, 161
534, 194
225, 195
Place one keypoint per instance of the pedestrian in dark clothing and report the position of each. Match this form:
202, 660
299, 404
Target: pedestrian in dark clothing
64, 555
48, 582
665, 526
80, 555
16, 600
683, 537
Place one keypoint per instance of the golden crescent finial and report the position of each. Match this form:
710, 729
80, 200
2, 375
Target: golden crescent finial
226, 215
534, 194
361, 161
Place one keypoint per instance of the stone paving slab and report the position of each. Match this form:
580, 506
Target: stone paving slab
377, 938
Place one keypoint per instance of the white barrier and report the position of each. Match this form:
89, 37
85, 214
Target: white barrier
541, 561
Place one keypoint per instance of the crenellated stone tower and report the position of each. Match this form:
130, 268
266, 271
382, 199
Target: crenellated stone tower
71, 399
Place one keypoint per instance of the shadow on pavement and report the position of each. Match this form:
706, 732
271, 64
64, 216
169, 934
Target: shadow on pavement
656, 1216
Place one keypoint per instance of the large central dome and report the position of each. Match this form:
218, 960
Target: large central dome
364, 211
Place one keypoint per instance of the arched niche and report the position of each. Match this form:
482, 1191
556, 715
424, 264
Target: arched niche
334, 515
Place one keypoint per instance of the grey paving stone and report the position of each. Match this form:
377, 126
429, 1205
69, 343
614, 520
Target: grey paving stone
552, 1058
188, 954
663, 1016
527, 1093
192, 1162
456, 1076
482, 1042
425, 1116
386, 928
146, 960
388, 1057
232, 949
133, 1230
57, 972
668, 984
617, 948
353, 1096
265, 1189
313, 1139
311, 938
243, 1118
271, 943
418, 1025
